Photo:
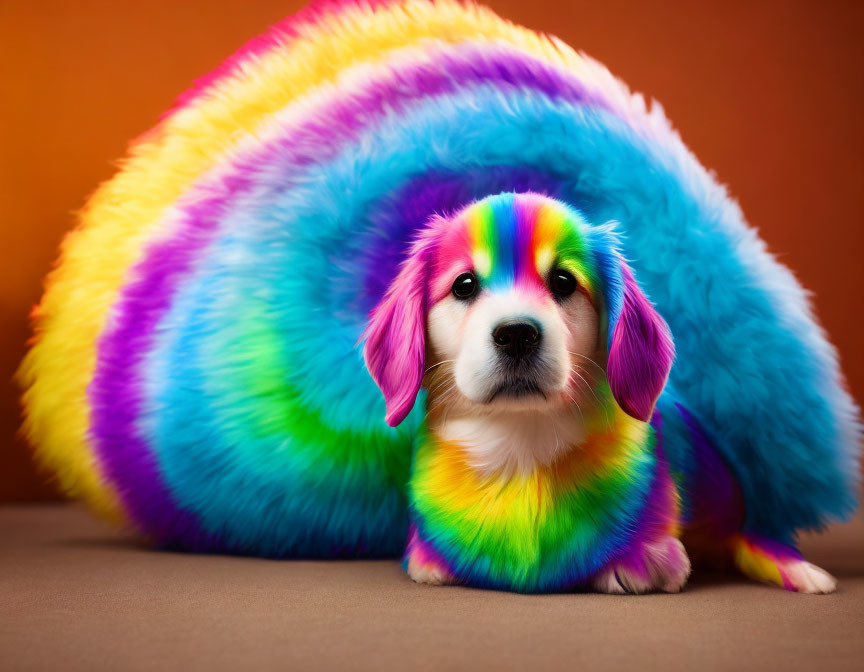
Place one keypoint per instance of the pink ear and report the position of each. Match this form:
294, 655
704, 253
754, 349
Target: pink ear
395, 348
641, 351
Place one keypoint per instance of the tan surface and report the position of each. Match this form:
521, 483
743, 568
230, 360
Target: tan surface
76, 595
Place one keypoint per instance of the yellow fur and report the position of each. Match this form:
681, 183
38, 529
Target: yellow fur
128, 211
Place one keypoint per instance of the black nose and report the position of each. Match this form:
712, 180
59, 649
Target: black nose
516, 339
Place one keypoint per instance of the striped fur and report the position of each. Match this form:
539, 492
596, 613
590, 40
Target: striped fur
195, 370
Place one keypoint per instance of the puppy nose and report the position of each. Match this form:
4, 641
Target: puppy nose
516, 339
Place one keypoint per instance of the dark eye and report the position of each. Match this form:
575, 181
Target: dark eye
465, 286
562, 283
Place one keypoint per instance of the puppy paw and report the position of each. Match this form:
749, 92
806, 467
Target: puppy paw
610, 583
808, 578
423, 563
658, 566
771, 562
429, 573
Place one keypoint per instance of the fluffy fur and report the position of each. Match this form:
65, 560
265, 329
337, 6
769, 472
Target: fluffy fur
195, 370
558, 489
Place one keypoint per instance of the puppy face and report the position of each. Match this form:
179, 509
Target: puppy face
515, 325
526, 306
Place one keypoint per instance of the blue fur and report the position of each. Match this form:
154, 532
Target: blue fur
751, 363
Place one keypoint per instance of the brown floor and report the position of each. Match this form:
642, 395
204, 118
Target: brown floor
78, 596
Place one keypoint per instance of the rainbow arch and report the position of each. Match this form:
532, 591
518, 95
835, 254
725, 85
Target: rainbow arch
194, 371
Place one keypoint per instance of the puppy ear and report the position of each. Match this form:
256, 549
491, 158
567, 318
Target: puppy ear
395, 338
640, 346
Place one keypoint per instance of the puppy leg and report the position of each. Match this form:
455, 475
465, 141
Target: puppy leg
772, 562
660, 565
429, 573
423, 564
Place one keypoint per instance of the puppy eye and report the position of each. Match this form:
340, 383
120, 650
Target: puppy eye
465, 286
562, 283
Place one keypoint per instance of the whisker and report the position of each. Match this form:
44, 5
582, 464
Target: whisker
557, 440
441, 399
443, 395
578, 408
607, 415
446, 361
579, 354
606, 411
446, 380
576, 370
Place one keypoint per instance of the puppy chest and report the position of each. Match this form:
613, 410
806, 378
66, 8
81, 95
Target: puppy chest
524, 529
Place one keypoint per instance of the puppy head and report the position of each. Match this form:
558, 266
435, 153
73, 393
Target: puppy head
526, 306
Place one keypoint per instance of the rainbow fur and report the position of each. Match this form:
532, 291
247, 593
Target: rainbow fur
765, 560
556, 526
553, 529
195, 369
513, 240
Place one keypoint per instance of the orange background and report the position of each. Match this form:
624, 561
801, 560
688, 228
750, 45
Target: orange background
768, 94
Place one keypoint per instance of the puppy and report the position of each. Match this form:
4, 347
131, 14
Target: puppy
541, 467
195, 372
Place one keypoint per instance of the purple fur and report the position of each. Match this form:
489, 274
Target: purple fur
641, 353
387, 242
114, 391
658, 514
715, 502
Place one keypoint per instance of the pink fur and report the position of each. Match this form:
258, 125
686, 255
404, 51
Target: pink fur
395, 338
641, 353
